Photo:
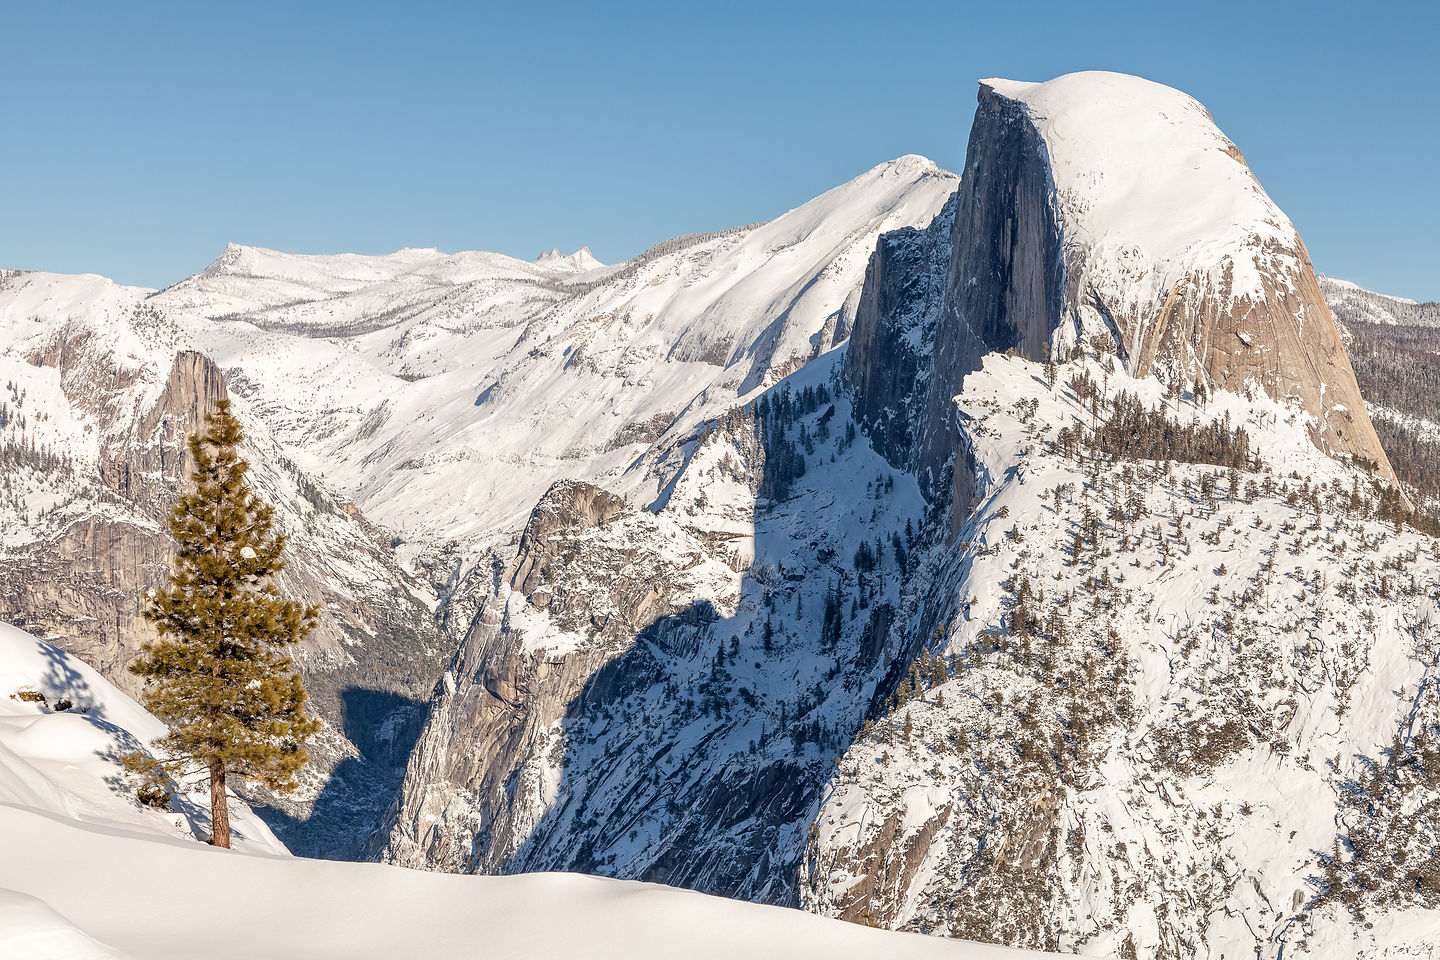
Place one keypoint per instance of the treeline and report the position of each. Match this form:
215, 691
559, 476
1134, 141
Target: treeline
1132, 431
24, 452
1398, 370
662, 249
785, 439
18, 447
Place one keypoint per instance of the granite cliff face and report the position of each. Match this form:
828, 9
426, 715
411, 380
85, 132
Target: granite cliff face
1076, 761
986, 275
591, 576
89, 579
1109, 211
661, 693
440, 394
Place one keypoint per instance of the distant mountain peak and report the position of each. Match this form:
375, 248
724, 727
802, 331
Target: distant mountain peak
580, 260
909, 163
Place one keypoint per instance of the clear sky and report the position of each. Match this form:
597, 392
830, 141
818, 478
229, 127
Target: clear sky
137, 139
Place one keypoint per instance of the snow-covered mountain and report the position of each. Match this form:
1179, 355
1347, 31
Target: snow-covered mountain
83, 892
1110, 211
1113, 737
405, 412
101, 391
444, 393
1394, 344
714, 690
1009, 558
1352, 303
1153, 698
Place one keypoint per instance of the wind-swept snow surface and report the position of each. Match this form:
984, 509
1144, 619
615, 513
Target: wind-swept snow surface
30, 929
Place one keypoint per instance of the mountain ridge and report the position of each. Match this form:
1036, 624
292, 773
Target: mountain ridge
831, 561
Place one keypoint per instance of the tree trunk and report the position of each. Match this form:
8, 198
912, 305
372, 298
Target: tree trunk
219, 808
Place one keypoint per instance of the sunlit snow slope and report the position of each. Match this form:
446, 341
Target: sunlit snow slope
444, 393
148, 899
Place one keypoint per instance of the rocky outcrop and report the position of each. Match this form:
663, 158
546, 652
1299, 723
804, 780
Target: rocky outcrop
890, 360
147, 464
568, 506
589, 568
986, 275
1174, 257
661, 696
86, 585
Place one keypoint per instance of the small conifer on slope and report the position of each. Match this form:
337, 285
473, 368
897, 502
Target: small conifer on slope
217, 675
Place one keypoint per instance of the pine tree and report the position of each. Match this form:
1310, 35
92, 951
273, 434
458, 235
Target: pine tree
217, 675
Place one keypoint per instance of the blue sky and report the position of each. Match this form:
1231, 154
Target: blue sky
137, 139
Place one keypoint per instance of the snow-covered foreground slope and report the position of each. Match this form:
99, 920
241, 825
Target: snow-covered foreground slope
146, 899
106, 883
63, 728
29, 928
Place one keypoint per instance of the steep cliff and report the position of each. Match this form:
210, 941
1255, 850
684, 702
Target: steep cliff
661, 694
1173, 248
592, 574
1112, 738
1110, 211
913, 629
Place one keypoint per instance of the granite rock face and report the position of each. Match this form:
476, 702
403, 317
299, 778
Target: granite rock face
1039, 263
484, 774
986, 275
1105, 221
660, 694
87, 585
891, 363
